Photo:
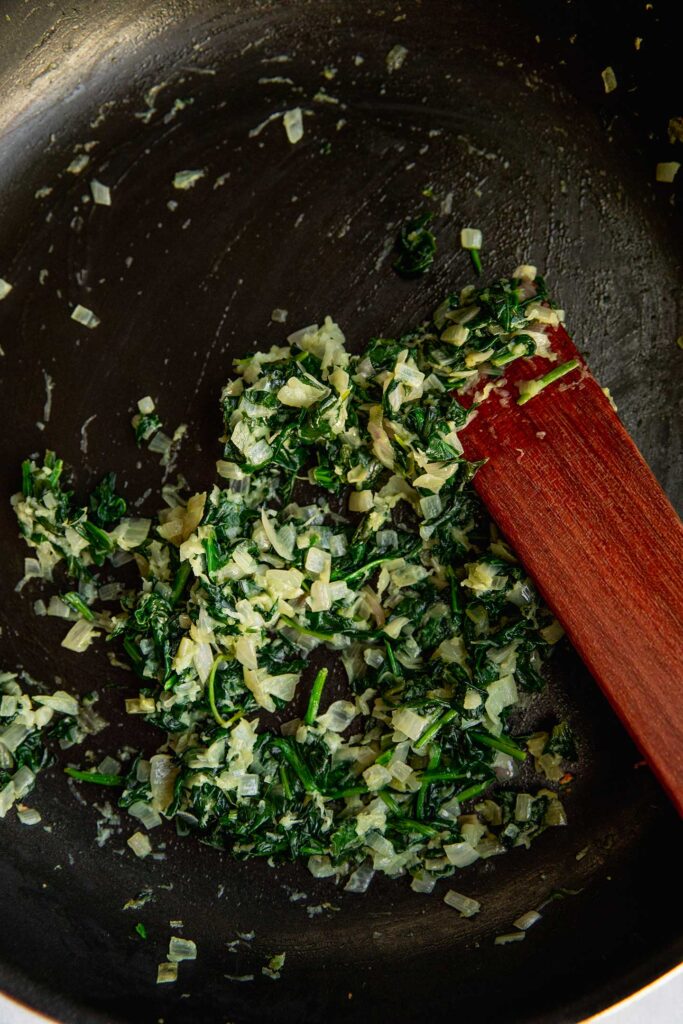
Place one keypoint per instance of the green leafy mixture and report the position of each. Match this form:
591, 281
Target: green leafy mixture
345, 535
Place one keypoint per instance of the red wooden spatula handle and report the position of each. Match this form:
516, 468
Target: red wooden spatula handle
573, 495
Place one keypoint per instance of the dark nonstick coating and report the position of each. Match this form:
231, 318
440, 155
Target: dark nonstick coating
500, 106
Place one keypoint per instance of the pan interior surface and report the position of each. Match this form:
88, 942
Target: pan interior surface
493, 119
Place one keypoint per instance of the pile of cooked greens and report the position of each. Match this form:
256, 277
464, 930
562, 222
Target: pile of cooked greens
334, 640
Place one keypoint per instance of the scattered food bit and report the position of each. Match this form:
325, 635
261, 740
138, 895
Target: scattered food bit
86, 317
527, 920
140, 706
416, 247
27, 815
325, 97
608, 395
667, 171
275, 80
638, 42
679, 341
320, 908
147, 815
508, 937
675, 129
294, 124
43, 193
140, 845
78, 164
150, 99
274, 966
609, 79
146, 421
582, 853
360, 879
528, 389
49, 388
255, 132
279, 316
184, 180
167, 972
141, 930
84, 433
396, 58
447, 205
96, 777
101, 193
239, 977
181, 949
471, 239
5, 288
147, 427
463, 904
178, 105
140, 900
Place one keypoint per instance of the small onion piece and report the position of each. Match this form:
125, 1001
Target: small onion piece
667, 171
471, 238
145, 813
86, 317
359, 880
525, 921
248, 785
140, 706
294, 125
508, 937
609, 79
467, 907
101, 194
321, 866
181, 949
162, 776
338, 716
461, 854
423, 882
28, 816
7, 798
184, 180
167, 973
80, 636
408, 722
109, 766
361, 501
140, 845
23, 781
503, 765
396, 57
59, 701
146, 405
300, 395
523, 805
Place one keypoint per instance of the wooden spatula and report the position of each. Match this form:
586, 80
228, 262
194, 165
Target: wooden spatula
573, 495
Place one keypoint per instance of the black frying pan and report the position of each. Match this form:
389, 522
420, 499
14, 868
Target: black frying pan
500, 104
